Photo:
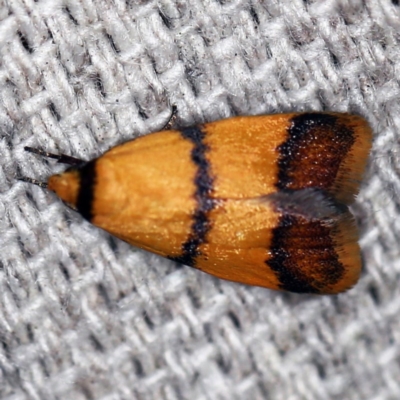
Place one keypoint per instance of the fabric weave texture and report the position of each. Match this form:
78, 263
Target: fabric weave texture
84, 315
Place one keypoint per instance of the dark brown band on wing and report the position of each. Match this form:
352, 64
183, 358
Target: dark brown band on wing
304, 256
204, 186
316, 146
303, 253
87, 185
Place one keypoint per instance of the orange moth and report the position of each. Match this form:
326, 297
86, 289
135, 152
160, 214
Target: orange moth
261, 200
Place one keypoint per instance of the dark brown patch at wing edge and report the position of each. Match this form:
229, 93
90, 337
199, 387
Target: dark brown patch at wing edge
311, 156
204, 186
84, 203
303, 253
304, 257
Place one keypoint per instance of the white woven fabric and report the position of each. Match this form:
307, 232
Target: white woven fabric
85, 316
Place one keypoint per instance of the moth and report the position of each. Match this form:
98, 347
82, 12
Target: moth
260, 200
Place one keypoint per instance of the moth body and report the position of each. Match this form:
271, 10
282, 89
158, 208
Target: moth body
261, 200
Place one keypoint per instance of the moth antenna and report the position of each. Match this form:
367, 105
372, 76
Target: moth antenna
61, 158
33, 181
172, 119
